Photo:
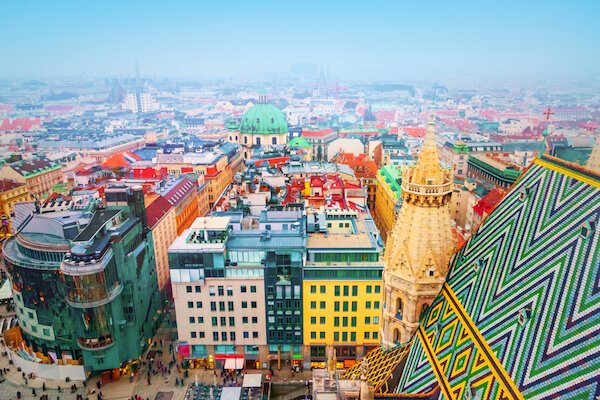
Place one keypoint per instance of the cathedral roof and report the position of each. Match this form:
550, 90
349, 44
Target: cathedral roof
519, 314
264, 119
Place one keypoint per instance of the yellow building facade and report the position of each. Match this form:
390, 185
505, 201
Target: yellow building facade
342, 287
341, 313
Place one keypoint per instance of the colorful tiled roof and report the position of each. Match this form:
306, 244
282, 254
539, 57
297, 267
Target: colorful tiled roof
519, 315
34, 167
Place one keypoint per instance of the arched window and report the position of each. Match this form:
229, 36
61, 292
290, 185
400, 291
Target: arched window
399, 307
274, 140
396, 335
424, 309
245, 139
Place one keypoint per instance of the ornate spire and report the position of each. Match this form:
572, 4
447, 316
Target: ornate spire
419, 246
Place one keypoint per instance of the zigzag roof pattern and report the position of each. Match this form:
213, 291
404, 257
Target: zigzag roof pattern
519, 315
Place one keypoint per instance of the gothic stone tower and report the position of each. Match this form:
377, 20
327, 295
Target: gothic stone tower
419, 246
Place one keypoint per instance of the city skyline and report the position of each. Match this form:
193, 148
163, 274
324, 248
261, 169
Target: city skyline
381, 41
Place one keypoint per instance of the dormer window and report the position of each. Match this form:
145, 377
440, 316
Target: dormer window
587, 228
431, 272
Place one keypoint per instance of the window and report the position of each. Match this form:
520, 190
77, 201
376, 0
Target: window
197, 289
313, 289
322, 305
192, 320
377, 289
202, 335
353, 321
255, 320
215, 336
368, 305
214, 321
336, 336
367, 320
353, 336
345, 306
313, 335
246, 335
46, 331
253, 304
354, 306
231, 321
232, 336
229, 290
346, 290
322, 320
244, 304
213, 306
336, 291
375, 320
322, 289
313, 320
274, 140
345, 321
198, 304
230, 305
188, 289
193, 335
211, 291
224, 336
190, 304
244, 320
254, 335
336, 321
252, 289
200, 320
375, 335
369, 289
367, 335
354, 290
344, 336
221, 291
221, 306
313, 305
243, 289
376, 305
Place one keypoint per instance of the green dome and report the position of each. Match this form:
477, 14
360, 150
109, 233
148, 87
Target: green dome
264, 119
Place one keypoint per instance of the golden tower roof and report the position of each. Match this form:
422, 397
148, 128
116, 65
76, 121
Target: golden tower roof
422, 240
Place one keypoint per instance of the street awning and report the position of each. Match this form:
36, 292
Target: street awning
231, 393
239, 363
252, 380
230, 363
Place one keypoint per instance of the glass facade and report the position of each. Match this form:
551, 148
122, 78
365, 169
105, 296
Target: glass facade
93, 326
92, 287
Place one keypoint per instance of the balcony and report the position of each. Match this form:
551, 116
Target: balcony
95, 343
427, 190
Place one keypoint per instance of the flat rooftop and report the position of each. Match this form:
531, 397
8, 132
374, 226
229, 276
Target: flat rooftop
211, 223
361, 239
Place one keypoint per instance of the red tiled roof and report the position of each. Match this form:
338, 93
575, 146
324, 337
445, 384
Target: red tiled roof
156, 210
179, 191
414, 131
487, 203
6, 184
121, 160
19, 124
319, 133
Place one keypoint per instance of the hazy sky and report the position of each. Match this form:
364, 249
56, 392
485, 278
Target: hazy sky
400, 39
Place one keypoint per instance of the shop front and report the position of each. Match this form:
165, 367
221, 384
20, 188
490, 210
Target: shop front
317, 357
345, 355
196, 356
230, 362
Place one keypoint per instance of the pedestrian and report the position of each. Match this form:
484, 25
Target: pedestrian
43, 386
149, 383
33, 392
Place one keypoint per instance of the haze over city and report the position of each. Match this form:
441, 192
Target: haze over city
381, 40
299, 200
